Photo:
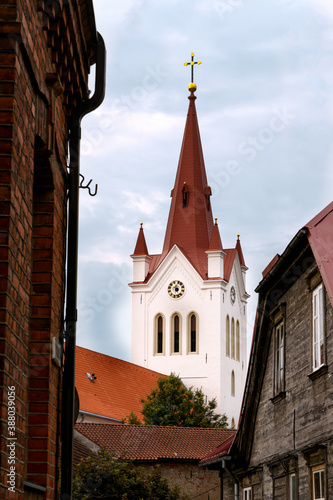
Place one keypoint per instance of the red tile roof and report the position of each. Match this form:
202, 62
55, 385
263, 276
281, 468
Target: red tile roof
118, 387
320, 236
149, 442
219, 451
80, 451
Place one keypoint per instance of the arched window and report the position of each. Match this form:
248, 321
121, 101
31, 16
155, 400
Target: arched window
233, 383
192, 334
227, 336
232, 423
159, 335
237, 341
232, 338
175, 334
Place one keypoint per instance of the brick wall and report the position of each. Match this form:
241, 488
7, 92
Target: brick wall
43, 73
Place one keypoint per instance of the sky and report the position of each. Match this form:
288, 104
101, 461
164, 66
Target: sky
265, 111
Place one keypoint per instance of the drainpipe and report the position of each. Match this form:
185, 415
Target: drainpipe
235, 480
68, 386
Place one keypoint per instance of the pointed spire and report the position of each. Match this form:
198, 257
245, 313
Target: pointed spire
190, 224
141, 246
215, 241
240, 252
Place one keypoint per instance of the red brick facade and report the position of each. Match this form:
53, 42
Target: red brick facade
46, 48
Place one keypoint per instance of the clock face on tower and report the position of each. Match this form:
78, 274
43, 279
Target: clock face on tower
176, 289
232, 294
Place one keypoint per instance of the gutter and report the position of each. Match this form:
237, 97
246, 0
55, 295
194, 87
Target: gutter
235, 480
68, 387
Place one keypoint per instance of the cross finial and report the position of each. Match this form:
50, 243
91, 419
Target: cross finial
192, 85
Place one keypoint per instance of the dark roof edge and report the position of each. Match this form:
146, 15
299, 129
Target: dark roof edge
92, 22
276, 268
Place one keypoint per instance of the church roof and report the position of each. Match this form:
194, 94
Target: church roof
190, 224
141, 246
240, 252
215, 241
118, 386
153, 442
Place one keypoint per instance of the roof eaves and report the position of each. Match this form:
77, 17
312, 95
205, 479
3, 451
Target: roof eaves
282, 260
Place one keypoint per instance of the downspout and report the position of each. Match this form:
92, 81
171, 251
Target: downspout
68, 386
235, 480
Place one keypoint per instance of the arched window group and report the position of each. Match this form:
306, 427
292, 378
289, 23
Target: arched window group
176, 327
232, 338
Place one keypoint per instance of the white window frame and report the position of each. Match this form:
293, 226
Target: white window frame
172, 337
292, 487
318, 337
189, 333
227, 336
156, 353
318, 471
279, 340
247, 493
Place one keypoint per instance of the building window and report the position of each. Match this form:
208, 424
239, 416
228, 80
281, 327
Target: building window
247, 493
318, 483
292, 487
233, 383
279, 359
232, 423
159, 335
237, 341
232, 338
192, 333
318, 479
227, 336
318, 348
176, 334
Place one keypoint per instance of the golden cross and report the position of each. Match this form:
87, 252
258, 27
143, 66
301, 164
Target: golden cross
192, 63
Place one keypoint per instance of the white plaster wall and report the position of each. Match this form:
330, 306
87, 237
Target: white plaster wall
209, 369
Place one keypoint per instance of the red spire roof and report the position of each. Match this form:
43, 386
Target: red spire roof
141, 246
190, 224
215, 241
240, 252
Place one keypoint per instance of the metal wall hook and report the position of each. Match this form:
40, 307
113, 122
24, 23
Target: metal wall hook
87, 186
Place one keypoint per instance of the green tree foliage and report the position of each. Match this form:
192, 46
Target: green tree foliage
101, 476
171, 403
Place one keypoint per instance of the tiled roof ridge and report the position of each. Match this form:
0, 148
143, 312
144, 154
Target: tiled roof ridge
134, 366
159, 426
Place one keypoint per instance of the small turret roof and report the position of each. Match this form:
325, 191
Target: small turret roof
141, 246
215, 241
240, 252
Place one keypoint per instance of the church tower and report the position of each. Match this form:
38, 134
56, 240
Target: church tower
189, 302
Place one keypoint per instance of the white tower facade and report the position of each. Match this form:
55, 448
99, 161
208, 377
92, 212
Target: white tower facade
189, 303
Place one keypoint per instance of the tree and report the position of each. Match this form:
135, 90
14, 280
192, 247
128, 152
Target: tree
171, 403
101, 476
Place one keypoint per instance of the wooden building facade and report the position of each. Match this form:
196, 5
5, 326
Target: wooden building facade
284, 445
